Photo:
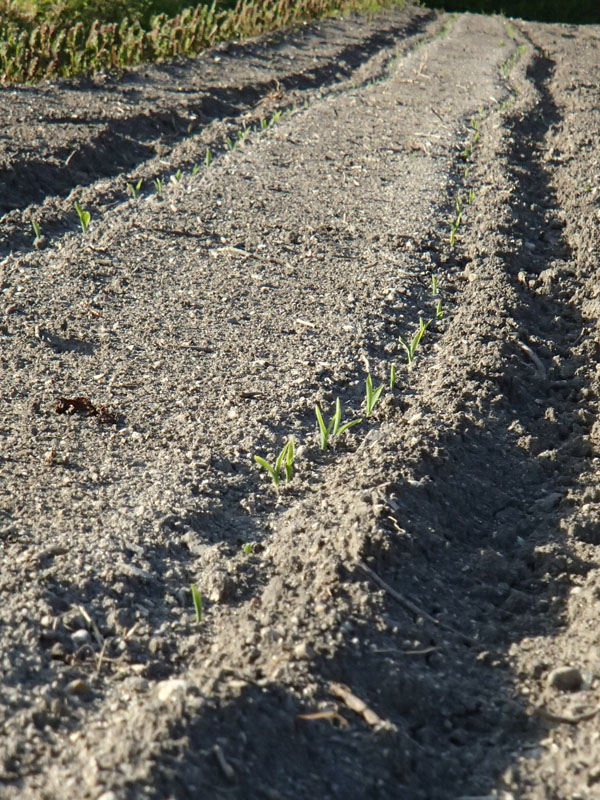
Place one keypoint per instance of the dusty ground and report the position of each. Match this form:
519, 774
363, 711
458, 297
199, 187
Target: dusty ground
388, 625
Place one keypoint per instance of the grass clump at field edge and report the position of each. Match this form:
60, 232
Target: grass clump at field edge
63, 38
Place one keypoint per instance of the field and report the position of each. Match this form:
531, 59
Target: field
209, 587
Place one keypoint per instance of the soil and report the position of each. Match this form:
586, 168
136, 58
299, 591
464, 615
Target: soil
414, 614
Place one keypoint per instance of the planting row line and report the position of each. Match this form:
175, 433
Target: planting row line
284, 462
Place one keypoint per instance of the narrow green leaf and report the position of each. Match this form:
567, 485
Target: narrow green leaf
197, 598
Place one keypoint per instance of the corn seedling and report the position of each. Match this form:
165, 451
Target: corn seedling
197, 598
31, 52
335, 427
471, 197
434, 285
84, 217
247, 549
284, 459
158, 185
372, 395
229, 144
243, 134
133, 189
177, 175
392, 376
36, 230
438, 310
195, 170
455, 224
411, 346
207, 157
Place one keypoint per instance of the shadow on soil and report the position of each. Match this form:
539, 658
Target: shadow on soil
122, 145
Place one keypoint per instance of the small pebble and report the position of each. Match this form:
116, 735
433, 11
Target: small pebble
81, 637
78, 687
303, 650
567, 679
165, 690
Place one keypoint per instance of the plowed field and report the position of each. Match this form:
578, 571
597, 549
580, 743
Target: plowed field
414, 614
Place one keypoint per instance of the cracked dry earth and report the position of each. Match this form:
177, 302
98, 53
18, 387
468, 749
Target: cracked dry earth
415, 614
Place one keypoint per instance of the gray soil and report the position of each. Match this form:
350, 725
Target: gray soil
415, 614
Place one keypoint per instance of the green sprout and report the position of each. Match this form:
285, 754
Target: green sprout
438, 310
247, 549
434, 285
335, 427
207, 157
134, 189
177, 175
195, 169
285, 459
455, 224
372, 395
84, 217
36, 230
197, 598
392, 376
158, 185
411, 346
229, 144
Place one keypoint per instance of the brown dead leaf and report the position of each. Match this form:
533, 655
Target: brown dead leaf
84, 406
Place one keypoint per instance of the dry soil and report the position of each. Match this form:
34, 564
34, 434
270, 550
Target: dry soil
415, 614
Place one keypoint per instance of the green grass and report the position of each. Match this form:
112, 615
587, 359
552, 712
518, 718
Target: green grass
42, 39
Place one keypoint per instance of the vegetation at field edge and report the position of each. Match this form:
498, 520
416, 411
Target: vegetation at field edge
40, 40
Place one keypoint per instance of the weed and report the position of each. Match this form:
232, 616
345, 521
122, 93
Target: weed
197, 598
159, 185
134, 189
411, 346
372, 395
284, 459
84, 217
335, 427
207, 157
36, 230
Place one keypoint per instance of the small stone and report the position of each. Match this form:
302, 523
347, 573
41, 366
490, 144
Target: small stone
58, 651
81, 637
165, 690
303, 651
567, 679
78, 687
108, 796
